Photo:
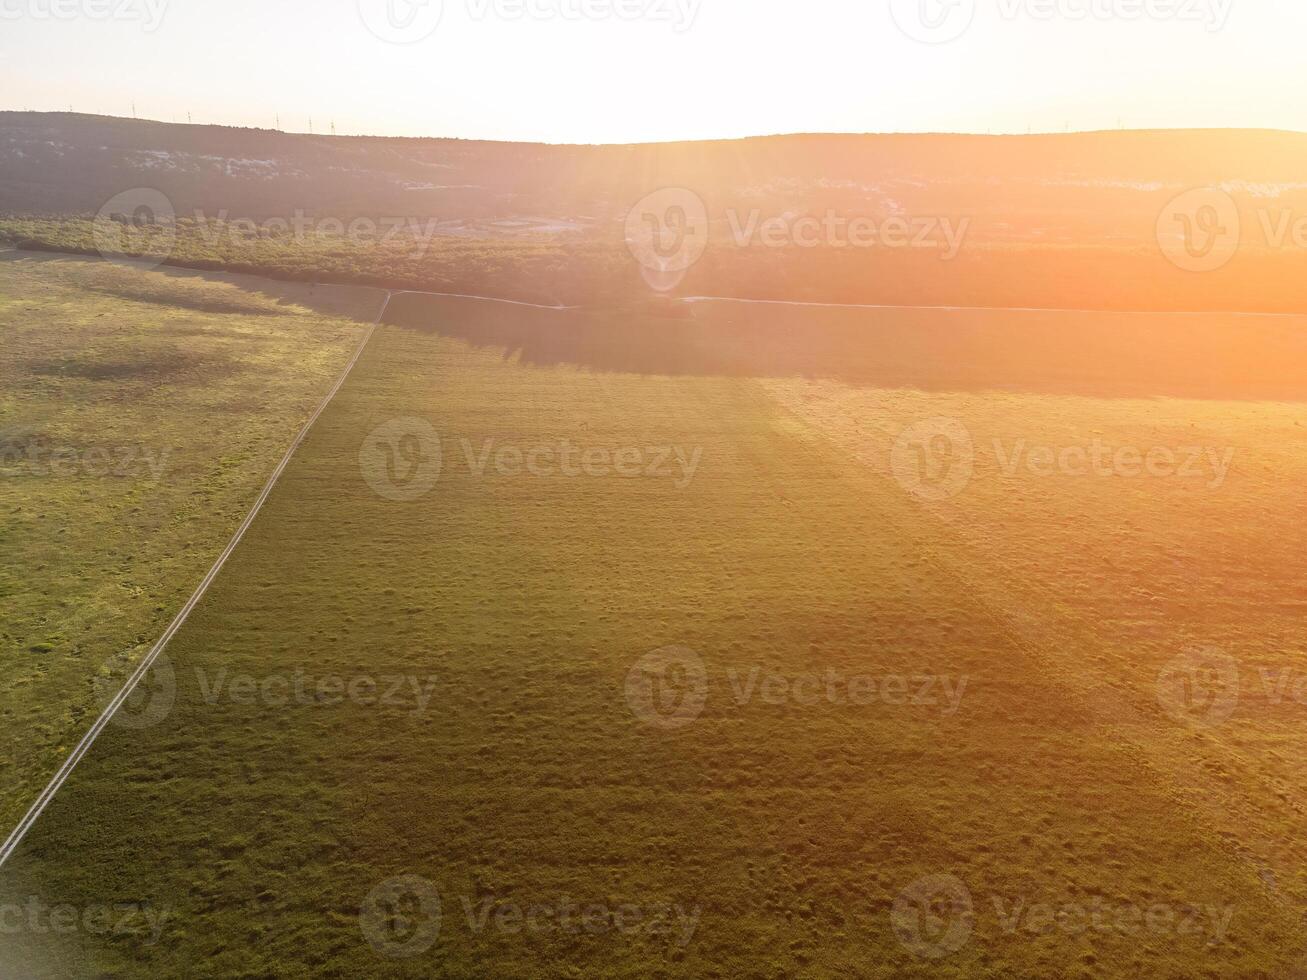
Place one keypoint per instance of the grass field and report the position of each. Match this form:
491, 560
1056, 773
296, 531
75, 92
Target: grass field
140, 413
922, 653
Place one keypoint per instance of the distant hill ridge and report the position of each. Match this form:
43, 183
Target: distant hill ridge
1068, 220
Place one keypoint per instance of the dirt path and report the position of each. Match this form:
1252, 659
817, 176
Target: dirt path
143, 668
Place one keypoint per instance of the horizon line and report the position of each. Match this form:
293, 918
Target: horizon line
1033, 134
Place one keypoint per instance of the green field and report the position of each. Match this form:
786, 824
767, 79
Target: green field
140, 414
904, 694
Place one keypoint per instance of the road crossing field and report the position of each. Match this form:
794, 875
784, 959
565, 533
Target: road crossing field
140, 413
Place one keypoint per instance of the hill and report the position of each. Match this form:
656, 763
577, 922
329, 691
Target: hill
1053, 221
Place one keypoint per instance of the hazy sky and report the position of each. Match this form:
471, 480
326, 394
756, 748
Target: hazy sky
624, 70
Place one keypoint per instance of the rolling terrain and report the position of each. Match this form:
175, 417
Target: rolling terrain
1058, 221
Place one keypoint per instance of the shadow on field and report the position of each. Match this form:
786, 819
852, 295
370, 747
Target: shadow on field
1105, 355
1216, 356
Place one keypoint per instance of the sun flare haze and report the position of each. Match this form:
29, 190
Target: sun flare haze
606, 71
653, 488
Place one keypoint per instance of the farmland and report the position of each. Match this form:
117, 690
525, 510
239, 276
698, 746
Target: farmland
140, 413
429, 660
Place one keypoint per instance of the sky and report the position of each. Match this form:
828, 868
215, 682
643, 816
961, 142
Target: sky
589, 71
